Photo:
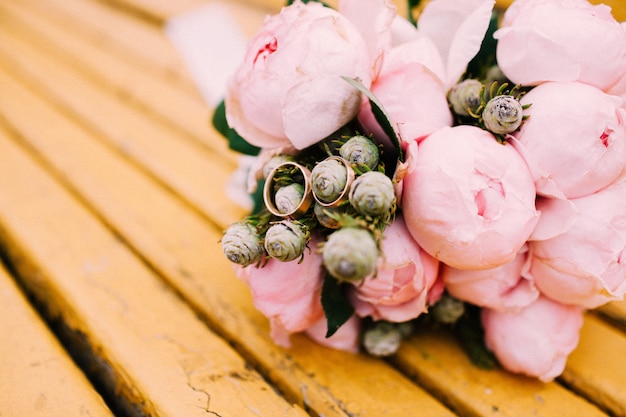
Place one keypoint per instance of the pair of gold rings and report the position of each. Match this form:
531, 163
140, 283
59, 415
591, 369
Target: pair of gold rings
308, 188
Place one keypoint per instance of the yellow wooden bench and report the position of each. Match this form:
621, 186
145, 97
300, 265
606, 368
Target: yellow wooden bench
112, 203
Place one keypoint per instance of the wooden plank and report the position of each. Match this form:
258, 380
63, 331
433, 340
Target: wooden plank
134, 39
175, 161
154, 353
183, 248
150, 88
597, 368
37, 376
156, 11
159, 11
437, 362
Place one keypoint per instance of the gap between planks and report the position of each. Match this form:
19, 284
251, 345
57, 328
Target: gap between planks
37, 376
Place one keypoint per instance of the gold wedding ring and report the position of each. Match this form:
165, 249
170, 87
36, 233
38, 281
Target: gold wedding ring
349, 179
305, 201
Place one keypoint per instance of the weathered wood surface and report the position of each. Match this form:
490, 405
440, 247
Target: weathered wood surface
37, 376
112, 201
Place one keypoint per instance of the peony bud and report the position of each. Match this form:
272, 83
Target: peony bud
384, 338
448, 309
502, 115
495, 75
292, 200
288, 198
323, 215
286, 240
372, 194
361, 151
274, 162
465, 97
330, 179
242, 245
350, 254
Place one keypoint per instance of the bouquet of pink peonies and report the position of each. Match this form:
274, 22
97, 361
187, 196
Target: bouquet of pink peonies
466, 168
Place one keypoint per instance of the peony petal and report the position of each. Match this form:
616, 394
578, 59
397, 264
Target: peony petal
508, 287
458, 29
236, 118
402, 31
237, 187
287, 293
619, 89
585, 264
535, 341
373, 19
279, 334
317, 107
419, 50
523, 67
543, 180
557, 216
415, 99
346, 338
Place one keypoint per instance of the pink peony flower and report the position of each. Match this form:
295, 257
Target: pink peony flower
469, 201
508, 287
288, 89
575, 139
587, 44
535, 341
417, 74
586, 264
287, 293
399, 291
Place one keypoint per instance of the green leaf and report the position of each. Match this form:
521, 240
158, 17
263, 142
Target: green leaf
412, 4
486, 56
471, 335
235, 141
381, 116
337, 308
257, 197
219, 119
239, 144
